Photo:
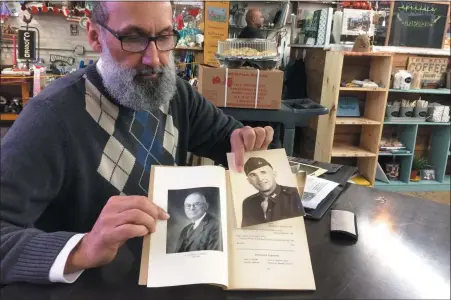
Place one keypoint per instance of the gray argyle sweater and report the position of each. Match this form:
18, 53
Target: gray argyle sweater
73, 147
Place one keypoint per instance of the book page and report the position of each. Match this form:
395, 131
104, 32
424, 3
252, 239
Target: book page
273, 256
190, 247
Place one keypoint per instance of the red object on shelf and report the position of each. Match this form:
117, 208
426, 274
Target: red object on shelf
14, 51
45, 9
356, 5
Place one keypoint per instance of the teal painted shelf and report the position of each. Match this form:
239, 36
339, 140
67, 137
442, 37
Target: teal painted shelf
424, 91
395, 154
419, 186
416, 123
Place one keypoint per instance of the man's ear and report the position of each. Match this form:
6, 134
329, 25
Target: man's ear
274, 173
93, 33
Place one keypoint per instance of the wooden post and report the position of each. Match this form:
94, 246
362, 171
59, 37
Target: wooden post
390, 17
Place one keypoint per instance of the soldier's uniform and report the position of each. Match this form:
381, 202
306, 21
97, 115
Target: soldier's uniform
284, 202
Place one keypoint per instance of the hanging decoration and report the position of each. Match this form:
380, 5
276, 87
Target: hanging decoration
5, 12
68, 9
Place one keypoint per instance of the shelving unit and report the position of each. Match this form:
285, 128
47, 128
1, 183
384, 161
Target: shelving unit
438, 157
358, 89
356, 121
24, 85
340, 66
423, 91
8, 117
189, 48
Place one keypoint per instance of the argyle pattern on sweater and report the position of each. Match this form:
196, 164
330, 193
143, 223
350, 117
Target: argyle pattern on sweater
135, 140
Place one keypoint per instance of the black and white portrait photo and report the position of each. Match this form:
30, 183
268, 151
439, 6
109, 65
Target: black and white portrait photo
195, 220
427, 174
266, 191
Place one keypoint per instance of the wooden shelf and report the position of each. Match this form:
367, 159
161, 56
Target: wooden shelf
423, 91
190, 48
8, 117
416, 123
355, 121
305, 46
334, 140
419, 186
379, 54
395, 154
358, 89
342, 150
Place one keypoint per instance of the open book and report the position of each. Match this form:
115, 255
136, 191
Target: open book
202, 243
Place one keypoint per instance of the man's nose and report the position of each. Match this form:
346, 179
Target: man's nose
150, 57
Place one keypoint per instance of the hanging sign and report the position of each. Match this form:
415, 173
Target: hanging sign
216, 29
27, 44
63, 59
73, 29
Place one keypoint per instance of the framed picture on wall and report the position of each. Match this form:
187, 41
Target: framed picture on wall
357, 21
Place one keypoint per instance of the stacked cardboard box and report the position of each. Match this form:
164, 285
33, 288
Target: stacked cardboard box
238, 87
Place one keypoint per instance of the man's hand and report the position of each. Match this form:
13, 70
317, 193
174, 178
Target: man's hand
249, 139
122, 218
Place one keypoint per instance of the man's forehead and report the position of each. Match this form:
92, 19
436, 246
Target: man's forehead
150, 16
264, 168
193, 198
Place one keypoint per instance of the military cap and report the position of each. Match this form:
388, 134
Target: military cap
254, 163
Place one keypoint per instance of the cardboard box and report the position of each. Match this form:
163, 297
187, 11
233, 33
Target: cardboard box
239, 90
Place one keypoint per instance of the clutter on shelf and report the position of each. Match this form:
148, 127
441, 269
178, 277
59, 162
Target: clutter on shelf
188, 21
348, 107
402, 80
392, 146
416, 111
366, 83
10, 106
392, 170
418, 164
438, 113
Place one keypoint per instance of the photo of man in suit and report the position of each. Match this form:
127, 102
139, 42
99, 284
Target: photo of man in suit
204, 230
272, 202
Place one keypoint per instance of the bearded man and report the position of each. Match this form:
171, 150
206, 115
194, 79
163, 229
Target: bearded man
75, 165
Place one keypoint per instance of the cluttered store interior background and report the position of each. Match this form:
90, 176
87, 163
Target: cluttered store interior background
396, 132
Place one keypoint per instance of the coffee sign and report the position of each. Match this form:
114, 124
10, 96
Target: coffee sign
27, 45
432, 68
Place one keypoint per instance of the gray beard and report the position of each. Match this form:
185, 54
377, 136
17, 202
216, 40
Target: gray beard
130, 89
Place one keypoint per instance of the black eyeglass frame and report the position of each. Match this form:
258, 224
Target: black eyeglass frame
121, 37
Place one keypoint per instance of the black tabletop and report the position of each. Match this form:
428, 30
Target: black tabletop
403, 251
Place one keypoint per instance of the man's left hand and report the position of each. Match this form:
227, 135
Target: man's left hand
249, 139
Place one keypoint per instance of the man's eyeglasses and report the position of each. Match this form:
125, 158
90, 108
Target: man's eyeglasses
194, 205
138, 43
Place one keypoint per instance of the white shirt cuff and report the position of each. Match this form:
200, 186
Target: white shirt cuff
57, 270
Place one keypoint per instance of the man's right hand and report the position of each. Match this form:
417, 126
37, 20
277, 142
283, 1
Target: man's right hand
122, 218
